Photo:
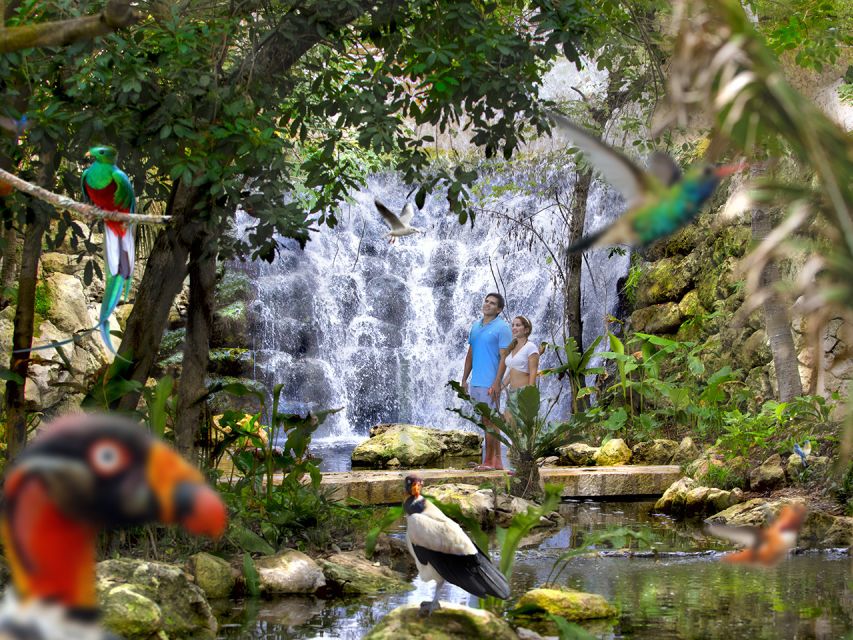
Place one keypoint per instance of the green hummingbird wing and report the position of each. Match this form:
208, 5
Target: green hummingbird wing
634, 183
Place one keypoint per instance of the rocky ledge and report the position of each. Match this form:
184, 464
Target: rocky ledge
407, 446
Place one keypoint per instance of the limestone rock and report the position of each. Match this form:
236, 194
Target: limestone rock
68, 309
794, 466
658, 318
392, 552
577, 454
212, 574
674, 498
414, 446
613, 452
658, 451
534, 606
289, 571
686, 452
703, 500
132, 592
840, 533
490, 508
351, 574
666, 280
753, 513
451, 622
769, 475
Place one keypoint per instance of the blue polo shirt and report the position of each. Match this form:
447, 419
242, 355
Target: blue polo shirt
486, 343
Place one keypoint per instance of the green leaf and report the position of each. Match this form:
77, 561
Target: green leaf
8, 374
250, 574
249, 541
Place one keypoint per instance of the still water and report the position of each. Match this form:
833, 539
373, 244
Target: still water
683, 592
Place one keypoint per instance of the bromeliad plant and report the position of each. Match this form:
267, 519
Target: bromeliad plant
525, 431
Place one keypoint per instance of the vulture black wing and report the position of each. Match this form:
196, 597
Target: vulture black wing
474, 573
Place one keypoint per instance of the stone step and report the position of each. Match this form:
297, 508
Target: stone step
386, 487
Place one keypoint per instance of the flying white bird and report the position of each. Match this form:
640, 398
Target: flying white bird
400, 226
445, 553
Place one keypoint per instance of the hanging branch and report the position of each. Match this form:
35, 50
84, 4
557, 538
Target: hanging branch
117, 14
86, 211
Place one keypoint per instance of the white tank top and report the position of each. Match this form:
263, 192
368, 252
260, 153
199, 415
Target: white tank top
519, 360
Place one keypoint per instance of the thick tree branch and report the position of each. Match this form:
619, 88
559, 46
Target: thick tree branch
86, 211
117, 14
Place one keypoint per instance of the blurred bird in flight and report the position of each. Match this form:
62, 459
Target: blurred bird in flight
765, 546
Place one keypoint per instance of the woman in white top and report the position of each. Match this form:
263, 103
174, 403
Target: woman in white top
522, 359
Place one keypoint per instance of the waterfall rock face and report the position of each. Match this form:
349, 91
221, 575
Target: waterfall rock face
353, 321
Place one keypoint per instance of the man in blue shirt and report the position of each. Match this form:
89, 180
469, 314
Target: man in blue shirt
484, 362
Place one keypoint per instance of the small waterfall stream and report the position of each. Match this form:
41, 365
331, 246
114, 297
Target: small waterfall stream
353, 321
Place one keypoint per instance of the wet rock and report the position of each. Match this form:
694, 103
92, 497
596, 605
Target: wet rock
289, 571
132, 592
658, 318
666, 280
214, 575
231, 325
388, 299
534, 607
372, 378
577, 454
769, 475
675, 497
309, 378
296, 337
414, 446
451, 622
686, 452
392, 552
293, 611
704, 500
488, 506
613, 452
840, 533
351, 574
346, 296
658, 451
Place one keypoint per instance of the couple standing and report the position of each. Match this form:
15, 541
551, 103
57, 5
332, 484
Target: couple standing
499, 357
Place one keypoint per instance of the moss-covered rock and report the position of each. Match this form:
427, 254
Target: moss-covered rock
658, 451
577, 454
451, 622
414, 446
704, 500
214, 575
770, 475
666, 280
686, 452
658, 318
351, 574
131, 591
613, 452
675, 497
236, 362
289, 571
534, 607
231, 326
233, 287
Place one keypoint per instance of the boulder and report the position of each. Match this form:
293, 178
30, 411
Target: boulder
794, 466
666, 280
686, 452
392, 552
658, 451
753, 513
700, 466
68, 309
840, 533
675, 497
451, 622
613, 452
142, 599
577, 454
770, 475
289, 571
351, 574
214, 575
704, 500
488, 506
534, 607
657, 318
414, 446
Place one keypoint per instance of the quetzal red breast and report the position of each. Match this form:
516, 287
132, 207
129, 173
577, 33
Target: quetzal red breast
108, 187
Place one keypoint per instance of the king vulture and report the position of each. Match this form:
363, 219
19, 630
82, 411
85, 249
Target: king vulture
85, 473
444, 553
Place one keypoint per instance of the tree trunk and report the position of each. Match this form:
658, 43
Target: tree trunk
165, 271
776, 322
192, 389
22, 337
573, 321
9, 272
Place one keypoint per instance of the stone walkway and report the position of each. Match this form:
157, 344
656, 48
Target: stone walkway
386, 487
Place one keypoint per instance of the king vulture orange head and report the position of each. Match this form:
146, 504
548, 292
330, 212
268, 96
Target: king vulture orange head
88, 472
414, 484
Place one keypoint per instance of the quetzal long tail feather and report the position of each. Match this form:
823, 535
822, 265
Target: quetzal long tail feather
112, 294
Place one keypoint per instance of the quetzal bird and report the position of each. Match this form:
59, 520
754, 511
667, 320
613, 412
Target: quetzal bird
108, 187
84, 473
659, 200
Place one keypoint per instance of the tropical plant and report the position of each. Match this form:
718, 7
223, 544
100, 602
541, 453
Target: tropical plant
525, 431
575, 366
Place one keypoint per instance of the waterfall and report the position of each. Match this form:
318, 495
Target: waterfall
355, 322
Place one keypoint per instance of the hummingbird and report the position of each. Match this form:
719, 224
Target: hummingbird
803, 451
660, 200
400, 226
764, 546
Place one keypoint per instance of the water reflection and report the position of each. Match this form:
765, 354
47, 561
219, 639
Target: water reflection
679, 594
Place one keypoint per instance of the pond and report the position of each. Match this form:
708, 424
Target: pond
683, 592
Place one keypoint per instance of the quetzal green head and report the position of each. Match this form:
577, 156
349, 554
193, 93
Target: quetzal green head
104, 154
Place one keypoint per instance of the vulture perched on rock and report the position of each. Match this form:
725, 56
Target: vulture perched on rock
445, 553
82, 474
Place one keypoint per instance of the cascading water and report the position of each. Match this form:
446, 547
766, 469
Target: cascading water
355, 322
